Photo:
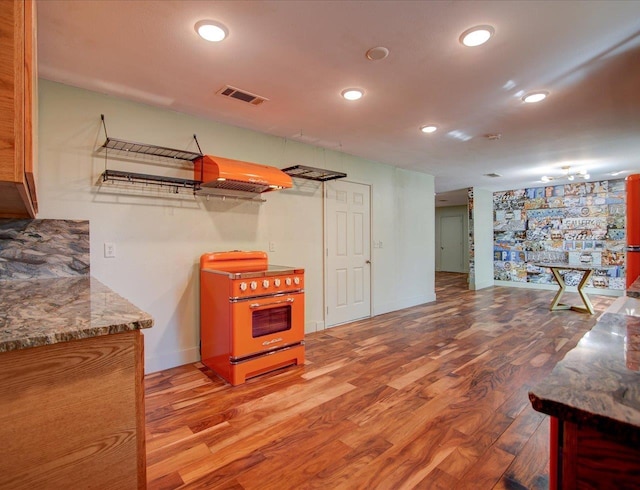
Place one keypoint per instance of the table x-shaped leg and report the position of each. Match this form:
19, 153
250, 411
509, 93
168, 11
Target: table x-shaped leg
556, 305
588, 307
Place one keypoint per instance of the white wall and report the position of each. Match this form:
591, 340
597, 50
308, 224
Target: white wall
159, 238
483, 238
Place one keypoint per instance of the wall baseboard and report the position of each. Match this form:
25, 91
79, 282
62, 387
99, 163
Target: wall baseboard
171, 359
481, 285
553, 287
404, 303
312, 327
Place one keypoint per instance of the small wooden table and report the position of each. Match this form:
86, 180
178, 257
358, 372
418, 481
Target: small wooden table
587, 272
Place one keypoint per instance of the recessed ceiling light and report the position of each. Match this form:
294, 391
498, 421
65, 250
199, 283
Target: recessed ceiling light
533, 97
476, 35
428, 129
211, 30
378, 53
352, 93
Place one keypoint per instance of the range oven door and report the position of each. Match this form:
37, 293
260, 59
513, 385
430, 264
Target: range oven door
265, 324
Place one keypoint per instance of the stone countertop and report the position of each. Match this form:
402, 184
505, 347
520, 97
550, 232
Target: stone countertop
37, 312
597, 384
634, 289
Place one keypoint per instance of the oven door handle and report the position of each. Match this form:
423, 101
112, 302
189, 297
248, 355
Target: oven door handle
258, 305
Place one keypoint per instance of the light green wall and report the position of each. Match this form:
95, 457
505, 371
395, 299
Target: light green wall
160, 238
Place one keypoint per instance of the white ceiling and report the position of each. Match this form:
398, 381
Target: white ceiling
301, 54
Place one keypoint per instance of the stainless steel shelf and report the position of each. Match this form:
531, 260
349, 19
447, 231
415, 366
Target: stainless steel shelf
130, 147
141, 148
313, 173
132, 177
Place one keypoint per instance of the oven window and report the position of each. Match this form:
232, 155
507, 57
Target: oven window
271, 320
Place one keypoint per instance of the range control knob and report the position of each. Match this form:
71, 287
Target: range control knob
254, 285
265, 283
276, 283
288, 281
296, 280
243, 286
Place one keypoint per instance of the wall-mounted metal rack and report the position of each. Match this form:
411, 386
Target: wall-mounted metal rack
128, 147
131, 177
160, 151
313, 173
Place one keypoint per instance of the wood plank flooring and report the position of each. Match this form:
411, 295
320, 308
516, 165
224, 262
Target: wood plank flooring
433, 396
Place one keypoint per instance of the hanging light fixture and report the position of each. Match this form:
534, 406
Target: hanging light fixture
568, 173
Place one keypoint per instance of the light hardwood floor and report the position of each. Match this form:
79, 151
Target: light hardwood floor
433, 396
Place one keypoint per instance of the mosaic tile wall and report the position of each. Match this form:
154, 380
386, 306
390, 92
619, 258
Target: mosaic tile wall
472, 248
577, 223
40, 248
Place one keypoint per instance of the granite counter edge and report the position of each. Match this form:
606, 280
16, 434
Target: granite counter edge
85, 333
633, 291
618, 429
123, 317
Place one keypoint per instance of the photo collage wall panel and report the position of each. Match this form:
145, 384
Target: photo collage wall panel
472, 247
580, 223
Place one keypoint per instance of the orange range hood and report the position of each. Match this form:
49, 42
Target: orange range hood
238, 176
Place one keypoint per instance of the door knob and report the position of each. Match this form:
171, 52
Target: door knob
367, 261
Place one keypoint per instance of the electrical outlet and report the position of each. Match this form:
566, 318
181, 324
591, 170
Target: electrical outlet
272, 246
109, 250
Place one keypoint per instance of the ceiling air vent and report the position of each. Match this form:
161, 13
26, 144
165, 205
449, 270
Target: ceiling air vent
242, 95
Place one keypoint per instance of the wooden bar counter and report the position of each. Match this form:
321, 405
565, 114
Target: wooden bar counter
593, 397
71, 386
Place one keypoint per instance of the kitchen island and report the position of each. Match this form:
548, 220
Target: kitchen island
71, 385
593, 397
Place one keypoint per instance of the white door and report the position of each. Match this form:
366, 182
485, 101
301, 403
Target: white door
348, 252
451, 247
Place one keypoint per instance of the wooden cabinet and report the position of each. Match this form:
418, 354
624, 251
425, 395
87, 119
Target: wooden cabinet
583, 457
72, 415
18, 109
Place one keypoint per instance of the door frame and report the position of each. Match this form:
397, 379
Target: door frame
325, 252
448, 211
459, 233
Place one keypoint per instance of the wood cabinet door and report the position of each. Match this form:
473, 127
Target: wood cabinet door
30, 101
72, 415
17, 52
